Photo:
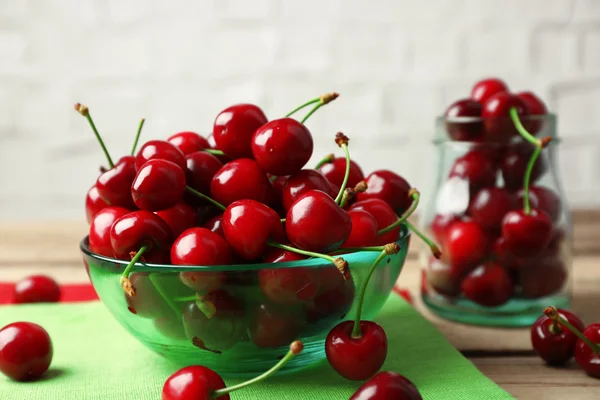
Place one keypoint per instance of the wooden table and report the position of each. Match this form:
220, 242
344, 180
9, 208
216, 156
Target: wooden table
504, 355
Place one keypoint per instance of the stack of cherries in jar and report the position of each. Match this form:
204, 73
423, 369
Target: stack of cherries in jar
499, 228
245, 195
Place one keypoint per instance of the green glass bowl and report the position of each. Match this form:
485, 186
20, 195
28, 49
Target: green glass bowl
244, 333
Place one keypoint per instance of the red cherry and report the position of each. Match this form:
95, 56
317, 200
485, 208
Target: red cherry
277, 255
488, 285
241, 179
234, 127
282, 146
443, 278
25, 351
215, 224
526, 235
389, 187
316, 223
477, 167
179, 217
158, 185
193, 383
36, 289
536, 108
301, 182
542, 278
364, 230
248, 225
274, 326
356, 359
489, 206
141, 228
544, 199
502, 253
497, 121
335, 171
514, 165
289, 285
386, 386
486, 88
554, 343
188, 142
93, 204
383, 214
201, 168
114, 185
463, 120
159, 149
99, 238
585, 357
466, 245
440, 225
278, 183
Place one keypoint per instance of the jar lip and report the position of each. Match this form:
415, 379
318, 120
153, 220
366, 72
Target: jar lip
555, 140
443, 118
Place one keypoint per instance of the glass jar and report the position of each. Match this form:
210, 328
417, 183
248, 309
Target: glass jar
478, 279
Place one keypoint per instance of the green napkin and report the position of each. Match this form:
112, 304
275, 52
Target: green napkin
96, 359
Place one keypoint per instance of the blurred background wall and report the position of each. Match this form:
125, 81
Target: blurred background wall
397, 64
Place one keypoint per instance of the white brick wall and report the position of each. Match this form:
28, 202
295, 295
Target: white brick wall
396, 63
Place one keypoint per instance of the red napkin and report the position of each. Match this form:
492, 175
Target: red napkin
72, 293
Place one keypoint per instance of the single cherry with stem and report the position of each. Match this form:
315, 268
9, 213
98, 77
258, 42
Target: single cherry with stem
36, 289
202, 383
587, 346
234, 127
301, 182
357, 349
387, 385
25, 351
496, 109
514, 165
158, 185
389, 187
335, 172
552, 342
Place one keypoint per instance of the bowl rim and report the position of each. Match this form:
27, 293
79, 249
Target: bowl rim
403, 242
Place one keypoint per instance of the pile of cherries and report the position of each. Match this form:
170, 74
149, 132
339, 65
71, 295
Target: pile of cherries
506, 239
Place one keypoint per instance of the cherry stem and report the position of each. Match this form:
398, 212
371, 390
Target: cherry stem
207, 307
205, 197
527, 179
514, 115
214, 152
552, 313
355, 249
342, 141
161, 292
308, 103
348, 195
137, 136
125, 282
390, 248
415, 195
435, 250
295, 348
83, 110
321, 101
340, 263
325, 160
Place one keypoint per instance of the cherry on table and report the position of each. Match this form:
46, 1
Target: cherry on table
514, 166
241, 179
488, 285
498, 124
180, 217
335, 171
389, 187
526, 235
586, 357
477, 167
93, 204
36, 289
463, 120
301, 182
489, 206
383, 214
114, 185
552, 342
201, 167
158, 185
387, 385
188, 142
273, 326
234, 127
365, 231
486, 88
25, 351
159, 149
99, 236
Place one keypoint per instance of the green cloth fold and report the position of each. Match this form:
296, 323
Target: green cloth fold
96, 359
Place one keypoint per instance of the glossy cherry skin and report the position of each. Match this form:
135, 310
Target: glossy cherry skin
273, 326
388, 186
463, 120
200, 170
364, 230
536, 108
334, 172
486, 88
514, 165
316, 223
552, 342
159, 149
179, 217
489, 206
248, 225
477, 167
158, 185
383, 214
544, 199
488, 285
542, 278
356, 359
289, 285
387, 385
36, 289
188, 142
584, 355
502, 254
282, 146
25, 351
276, 255
301, 182
93, 204
193, 383
241, 179
234, 127
99, 237
526, 234
466, 245
139, 228
440, 225
498, 124
114, 185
